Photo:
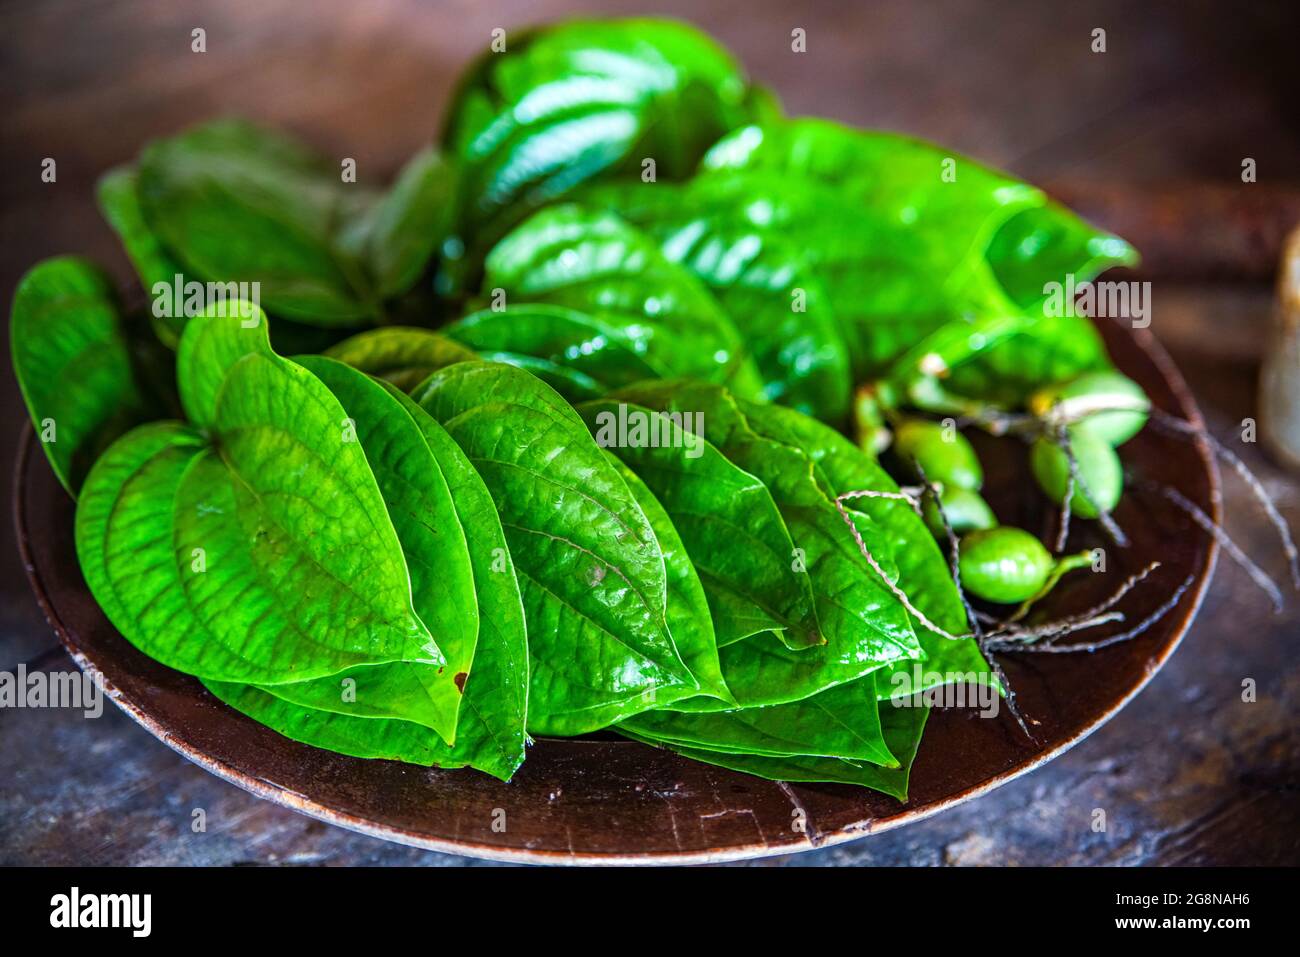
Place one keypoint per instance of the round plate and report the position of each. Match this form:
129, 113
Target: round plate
613, 801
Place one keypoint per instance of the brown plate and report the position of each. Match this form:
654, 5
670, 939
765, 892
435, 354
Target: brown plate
612, 801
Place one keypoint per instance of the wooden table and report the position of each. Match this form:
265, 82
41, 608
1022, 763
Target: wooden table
1187, 774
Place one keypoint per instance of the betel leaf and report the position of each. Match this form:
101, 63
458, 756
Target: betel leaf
902, 729
1035, 251
290, 558
601, 353
398, 235
863, 625
897, 178
345, 734
119, 201
841, 722
590, 568
923, 572
765, 283
74, 364
490, 730
897, 228
420, 506
128, 556
686, 610
565, 104
235, 203
401, 355
490, 733
595, 262
731, 527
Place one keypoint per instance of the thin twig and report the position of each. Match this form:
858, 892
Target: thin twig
1062, 440
1172, 423
1140, 628
1197, 514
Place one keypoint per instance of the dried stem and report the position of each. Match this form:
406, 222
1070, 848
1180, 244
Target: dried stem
1172, 424
1197, 514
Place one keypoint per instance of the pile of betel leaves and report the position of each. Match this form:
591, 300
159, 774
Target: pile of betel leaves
573, 415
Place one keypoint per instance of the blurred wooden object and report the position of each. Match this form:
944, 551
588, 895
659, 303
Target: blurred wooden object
1279, 387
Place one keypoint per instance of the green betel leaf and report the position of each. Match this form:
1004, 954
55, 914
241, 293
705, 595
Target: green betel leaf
687, 610
400, 355
1034, 251
923, 572
433, 543
897, 228
565, 104
490, 733
341, 733
398, 236
902, 729
731, 527
590, 567
584, 353
128, 556
863, 625
897, 178
73, 364
842, 722
119, 201
234, 202
766, 284
302, 566
596, 263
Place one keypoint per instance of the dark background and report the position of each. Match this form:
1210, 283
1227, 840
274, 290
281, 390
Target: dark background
1148, 138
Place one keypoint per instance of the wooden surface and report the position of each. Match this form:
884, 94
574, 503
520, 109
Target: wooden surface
1188, 773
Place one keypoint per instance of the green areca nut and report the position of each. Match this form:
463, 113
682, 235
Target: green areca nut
1099, 480
1004, 564
965, 510
941, 451
1106, 405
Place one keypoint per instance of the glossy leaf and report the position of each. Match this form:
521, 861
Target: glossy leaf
686, 609
596, 263
73, 364
568, 103
766, 284
841, 722
302, 568
401, 355
590, 568
923, 571
863, 626
419, 503
902, 729
729, 523
555, 337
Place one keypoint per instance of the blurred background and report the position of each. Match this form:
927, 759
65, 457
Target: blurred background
1147, 138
